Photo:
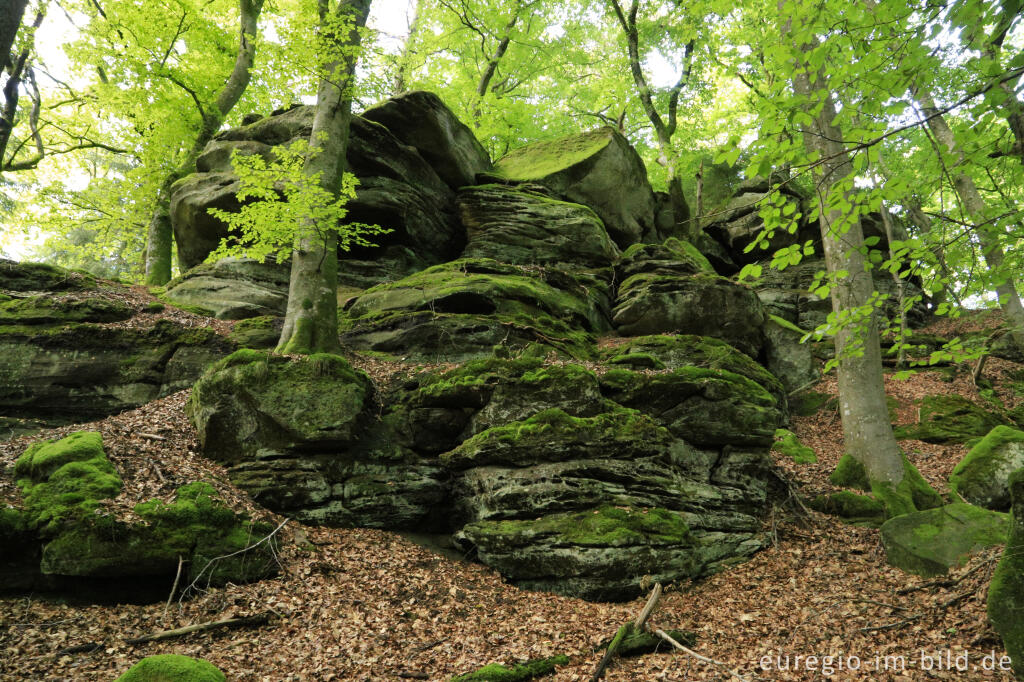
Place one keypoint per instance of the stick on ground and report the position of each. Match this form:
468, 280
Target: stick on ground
247, 621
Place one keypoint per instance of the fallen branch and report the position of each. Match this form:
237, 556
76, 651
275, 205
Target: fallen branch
625, 630
894, 626
152, 436
665, 636
87, 648
174, 588
247, 621
215, 559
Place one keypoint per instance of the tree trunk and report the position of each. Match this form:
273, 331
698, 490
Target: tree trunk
867, 432
16, 66
10, 22
974, 205
160, 238
311, 320
404, 66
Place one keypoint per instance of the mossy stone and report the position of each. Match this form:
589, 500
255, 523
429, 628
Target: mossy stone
41, 277
911, 494
257, 332
982, 476
541, 159
852, 507
811, 402
930, 542
172, 668
787, 444
520, 672
1006, 591
950, 419
48, 309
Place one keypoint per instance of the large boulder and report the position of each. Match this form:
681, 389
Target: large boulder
68, 355
933, 541
950, 419
524, 225
598, 169
233, 288
399, 189
983, 476
788, 359
421, 120
1006, 591
701, 304
464, 308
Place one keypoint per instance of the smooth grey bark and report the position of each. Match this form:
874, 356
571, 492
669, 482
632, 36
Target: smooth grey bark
975, 207
867, 432
16, 66
404, 66
311, 319
663, 129
159, 240
11, 13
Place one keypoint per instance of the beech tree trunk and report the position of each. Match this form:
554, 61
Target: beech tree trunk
16, 66
974, 205
311, 320
160, 238
867, 432
10, 22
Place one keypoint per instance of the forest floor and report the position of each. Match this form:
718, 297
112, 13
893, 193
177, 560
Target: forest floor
356, 604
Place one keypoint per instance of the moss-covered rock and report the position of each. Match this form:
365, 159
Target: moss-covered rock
49, 309
707, 407
982, 477
950, 419
704, 304
65, 480
261, 332
1006, 591
788, 445
520, 672
16, 276
172, 668
598, 169
808, 403
253, 401
931, 542
523, 225
464, 308
674, 257
852, 507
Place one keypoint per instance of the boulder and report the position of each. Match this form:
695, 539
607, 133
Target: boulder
523, 225
233, 288
421, 120
464, 308
788, 359
950, 419
673, 257
704, 304
172, 668
1006, 591
931, 542
983, 476
598, 169
15, 276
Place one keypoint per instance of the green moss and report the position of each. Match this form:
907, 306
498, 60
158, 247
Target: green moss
690, 251
851, 507
65, 480
517, 673
932, 541
42, 277
850, 473
637, 360
810, 402
541, 159
1006, 591
172, 668
981, 463
635, 643
187, 307
602, 527
950, 419
912, 494
52, 310
155, 307
787, 444
786, 324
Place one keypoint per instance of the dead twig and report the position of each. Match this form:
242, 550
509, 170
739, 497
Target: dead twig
152, 436
624, 631
665, 636
247, 621
174, 588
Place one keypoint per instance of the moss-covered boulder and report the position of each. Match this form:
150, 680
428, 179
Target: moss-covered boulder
598, 169
706, 407
232, 288
599, 554
672, 257
854, 508
931, 542
705, 305
519, 672
172, 668
254, 401
788, 445
950, 419
62, 361
260, 333
464, 308
1006, 591
523, 225
982, 477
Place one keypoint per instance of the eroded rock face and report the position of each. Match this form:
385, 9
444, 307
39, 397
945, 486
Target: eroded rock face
233, 288
61, 362
598, 169
560, 479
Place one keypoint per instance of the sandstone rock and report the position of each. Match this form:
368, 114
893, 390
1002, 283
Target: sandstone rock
233, 288
949, 419
421, 120
1006, 591
788, 359
931, 542
983, 476
598, 169
522, 225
